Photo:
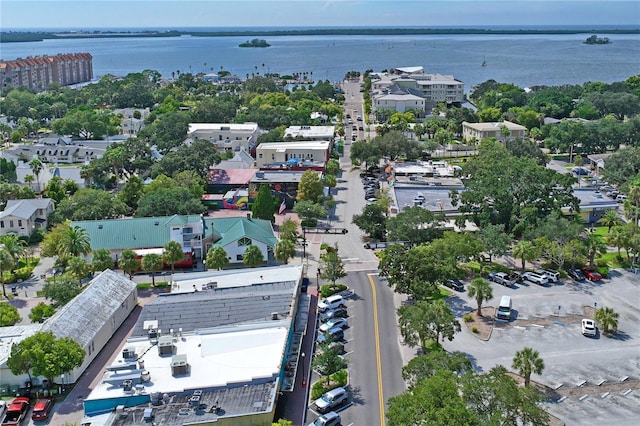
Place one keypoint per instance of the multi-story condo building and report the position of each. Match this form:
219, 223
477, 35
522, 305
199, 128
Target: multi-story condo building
38, 72
498, 130
227, 136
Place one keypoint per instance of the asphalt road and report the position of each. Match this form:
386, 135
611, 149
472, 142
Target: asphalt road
375, 363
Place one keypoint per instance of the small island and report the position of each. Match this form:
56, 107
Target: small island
594, 39
255, 43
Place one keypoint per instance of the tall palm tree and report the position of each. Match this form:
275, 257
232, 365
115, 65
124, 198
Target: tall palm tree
528, 361
216, 258
481, 290
524, 251
75, 242
6, 264
285, 250
28, 180
609, 219
595, 245
607, 318
152, 263
36, 167
172, 254
617, 238
14, 246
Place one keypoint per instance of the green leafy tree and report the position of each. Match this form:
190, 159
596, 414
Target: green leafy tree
416, 225
152, 263
264, 204
8, 314
45, 355
481, 290
527, 361
435, 400
216, 258
332, 265
283, 422
496, 241
373, 221
310, 187
607, 318
90, 204
285, 250
101, 260
425, 322
426, 365
6, 264
77, 268
131, 192
332, 167
309, 212
288, 230
617, 238
610, 219
172, 254
327, 360
129, 262
41, 312
167, 202
252, 256
61, 290
497, 399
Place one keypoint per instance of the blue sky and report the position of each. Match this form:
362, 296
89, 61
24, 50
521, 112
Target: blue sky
74, 14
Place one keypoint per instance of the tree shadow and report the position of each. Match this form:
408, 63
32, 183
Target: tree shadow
619, 335
18, 303
459, 306
355, 395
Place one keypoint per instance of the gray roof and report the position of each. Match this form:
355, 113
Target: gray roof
25, 208
85, 315
233, 401
217, 307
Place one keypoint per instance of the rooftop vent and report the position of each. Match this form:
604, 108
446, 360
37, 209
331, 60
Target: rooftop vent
274, 316
129, 353
165, 345
179, 365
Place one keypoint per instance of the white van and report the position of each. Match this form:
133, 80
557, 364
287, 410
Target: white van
330, 302
504, 310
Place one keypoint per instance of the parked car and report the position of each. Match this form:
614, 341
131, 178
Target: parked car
580, 171
591, 274
535, 278
588, 327
336, 334
41, 409
515, 276
339, 312
330, 419
454, 284
500, 278
553, 276
576, 274
335, 322
332, 399
330, 302
613, 194
620, 198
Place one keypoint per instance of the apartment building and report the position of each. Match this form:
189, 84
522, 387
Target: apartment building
227, 136
38, 72
479, 131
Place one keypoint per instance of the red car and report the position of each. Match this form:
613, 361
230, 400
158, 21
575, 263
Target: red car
591, 274
41, 409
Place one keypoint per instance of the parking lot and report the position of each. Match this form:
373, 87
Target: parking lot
596, 379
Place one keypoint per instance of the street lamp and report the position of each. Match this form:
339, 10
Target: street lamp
304, 372
318, 272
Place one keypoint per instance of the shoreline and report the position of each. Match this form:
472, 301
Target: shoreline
35, 36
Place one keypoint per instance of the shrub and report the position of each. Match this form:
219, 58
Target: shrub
467, 318
329, 289
23, 273
337, 380
474, 329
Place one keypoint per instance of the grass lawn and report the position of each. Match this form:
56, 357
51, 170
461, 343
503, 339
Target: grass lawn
601, 230
612, 261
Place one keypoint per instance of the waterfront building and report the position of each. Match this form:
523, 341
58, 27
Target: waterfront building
38, 72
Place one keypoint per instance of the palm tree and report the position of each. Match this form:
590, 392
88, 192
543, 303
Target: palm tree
525, 251
610, 219
216, 258
78, 268
14, 246
75, 242
36, 167
617, 238
6, 264
527, 361
172, 254
285, 250
595, 245
252, 256
28, 179
153, 263
607, 318
481, 290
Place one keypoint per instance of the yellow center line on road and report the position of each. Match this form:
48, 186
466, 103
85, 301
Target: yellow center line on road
376, 333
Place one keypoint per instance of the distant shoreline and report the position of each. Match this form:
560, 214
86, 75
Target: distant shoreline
27, 36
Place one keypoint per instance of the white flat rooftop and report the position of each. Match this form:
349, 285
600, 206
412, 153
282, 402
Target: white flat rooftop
198, 281
216, 358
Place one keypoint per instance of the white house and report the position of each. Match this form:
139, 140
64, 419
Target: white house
91, 319
23, 217
56, 149
480, 131
292, 152
399, 102
227, 136
310, 133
